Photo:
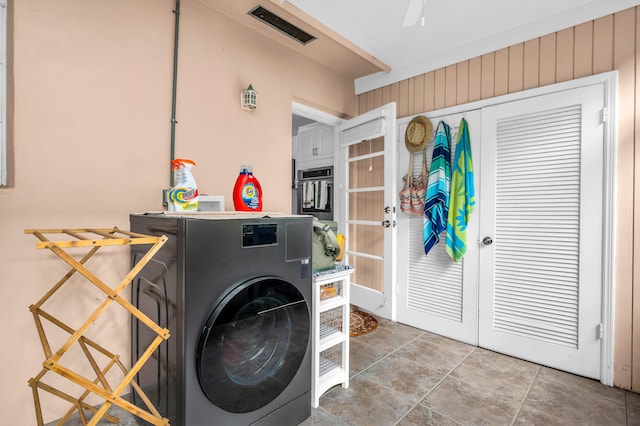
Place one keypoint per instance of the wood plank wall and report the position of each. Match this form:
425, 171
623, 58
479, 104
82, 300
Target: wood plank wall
608, 43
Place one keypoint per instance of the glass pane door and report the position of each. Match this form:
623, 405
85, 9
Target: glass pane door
366, 212
366, 200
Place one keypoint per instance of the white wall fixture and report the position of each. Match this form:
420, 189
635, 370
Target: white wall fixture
249, 98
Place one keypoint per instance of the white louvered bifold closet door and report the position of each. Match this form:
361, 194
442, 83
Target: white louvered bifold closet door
540, 275
537, 224
440, 295
435, 282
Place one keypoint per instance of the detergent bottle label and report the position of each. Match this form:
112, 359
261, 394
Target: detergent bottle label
250, 195
184, 198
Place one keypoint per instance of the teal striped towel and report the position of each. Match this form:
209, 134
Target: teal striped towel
437, 198
463, 197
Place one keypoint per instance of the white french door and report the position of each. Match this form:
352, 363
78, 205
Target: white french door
531, 284
365, 158
541, 227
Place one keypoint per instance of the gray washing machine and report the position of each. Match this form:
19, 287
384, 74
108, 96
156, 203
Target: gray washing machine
235, 293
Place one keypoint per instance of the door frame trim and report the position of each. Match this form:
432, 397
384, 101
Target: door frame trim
314, 114
610, 82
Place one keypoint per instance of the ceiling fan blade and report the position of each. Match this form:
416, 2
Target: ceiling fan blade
413, 13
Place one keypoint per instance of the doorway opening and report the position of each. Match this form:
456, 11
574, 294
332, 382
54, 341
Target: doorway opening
312, 147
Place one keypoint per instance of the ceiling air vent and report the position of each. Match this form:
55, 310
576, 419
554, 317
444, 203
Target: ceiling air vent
287, 28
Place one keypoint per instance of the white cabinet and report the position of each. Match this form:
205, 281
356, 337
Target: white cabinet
315, 141
330, 346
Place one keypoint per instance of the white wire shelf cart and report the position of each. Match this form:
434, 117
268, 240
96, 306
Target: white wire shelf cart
330, 348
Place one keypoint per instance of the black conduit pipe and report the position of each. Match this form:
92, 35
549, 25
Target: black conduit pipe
173, 95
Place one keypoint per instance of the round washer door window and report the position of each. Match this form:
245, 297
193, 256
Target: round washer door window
253, 344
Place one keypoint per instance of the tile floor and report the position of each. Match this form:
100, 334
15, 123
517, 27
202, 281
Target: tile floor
404, 376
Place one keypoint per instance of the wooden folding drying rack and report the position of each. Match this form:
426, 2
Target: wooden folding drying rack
94, 239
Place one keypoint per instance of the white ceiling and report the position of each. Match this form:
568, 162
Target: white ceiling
454, 30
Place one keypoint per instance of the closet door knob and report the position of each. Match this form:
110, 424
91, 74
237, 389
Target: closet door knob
487, 241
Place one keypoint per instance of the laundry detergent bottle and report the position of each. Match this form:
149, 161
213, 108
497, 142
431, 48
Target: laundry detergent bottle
184, 195
247, 192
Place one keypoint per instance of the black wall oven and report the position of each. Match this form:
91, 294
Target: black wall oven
315, 192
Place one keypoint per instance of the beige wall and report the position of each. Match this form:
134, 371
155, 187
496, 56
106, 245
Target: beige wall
91, 122
608, 43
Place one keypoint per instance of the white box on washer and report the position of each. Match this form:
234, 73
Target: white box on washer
211, 203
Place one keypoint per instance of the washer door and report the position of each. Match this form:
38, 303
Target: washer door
253, 344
